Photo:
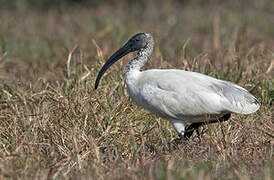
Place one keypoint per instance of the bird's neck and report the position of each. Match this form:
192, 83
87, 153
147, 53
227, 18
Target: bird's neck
140, 59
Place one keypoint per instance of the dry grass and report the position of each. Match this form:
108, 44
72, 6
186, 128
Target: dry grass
55, 125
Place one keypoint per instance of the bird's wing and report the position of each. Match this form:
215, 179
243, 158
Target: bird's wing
235, 98
178, 93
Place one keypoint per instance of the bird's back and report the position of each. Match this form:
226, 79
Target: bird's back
181, 94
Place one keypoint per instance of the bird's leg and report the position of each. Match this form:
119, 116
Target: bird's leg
185, 134
198, 133
191, 128
221, 119
195, 126
179, 126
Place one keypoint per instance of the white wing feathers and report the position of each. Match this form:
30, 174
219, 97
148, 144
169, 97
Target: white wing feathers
178, 93
235, 98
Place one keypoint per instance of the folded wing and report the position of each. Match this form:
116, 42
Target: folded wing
180, 94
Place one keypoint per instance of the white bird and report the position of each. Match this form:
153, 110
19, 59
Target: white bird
177, 95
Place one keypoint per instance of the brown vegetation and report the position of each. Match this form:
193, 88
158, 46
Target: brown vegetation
53, 123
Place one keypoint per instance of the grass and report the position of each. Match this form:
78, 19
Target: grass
54, 125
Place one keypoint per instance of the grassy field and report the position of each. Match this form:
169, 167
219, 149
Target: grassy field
54, 125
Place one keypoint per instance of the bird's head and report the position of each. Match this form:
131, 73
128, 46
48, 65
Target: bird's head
135, 43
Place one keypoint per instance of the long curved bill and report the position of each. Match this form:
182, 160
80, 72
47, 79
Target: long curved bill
115, 57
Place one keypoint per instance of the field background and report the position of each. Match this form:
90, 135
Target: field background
54, 125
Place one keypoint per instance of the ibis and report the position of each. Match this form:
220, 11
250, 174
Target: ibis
181, 97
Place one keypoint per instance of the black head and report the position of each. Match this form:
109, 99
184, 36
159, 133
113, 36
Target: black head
136, 43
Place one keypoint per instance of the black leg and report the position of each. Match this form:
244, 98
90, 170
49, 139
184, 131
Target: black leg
191, 128
221, 119
195, 126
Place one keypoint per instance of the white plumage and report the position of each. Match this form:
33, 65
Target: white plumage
177, 95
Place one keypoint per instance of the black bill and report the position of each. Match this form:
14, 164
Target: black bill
115, 57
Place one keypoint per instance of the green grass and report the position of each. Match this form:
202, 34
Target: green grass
53, 124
